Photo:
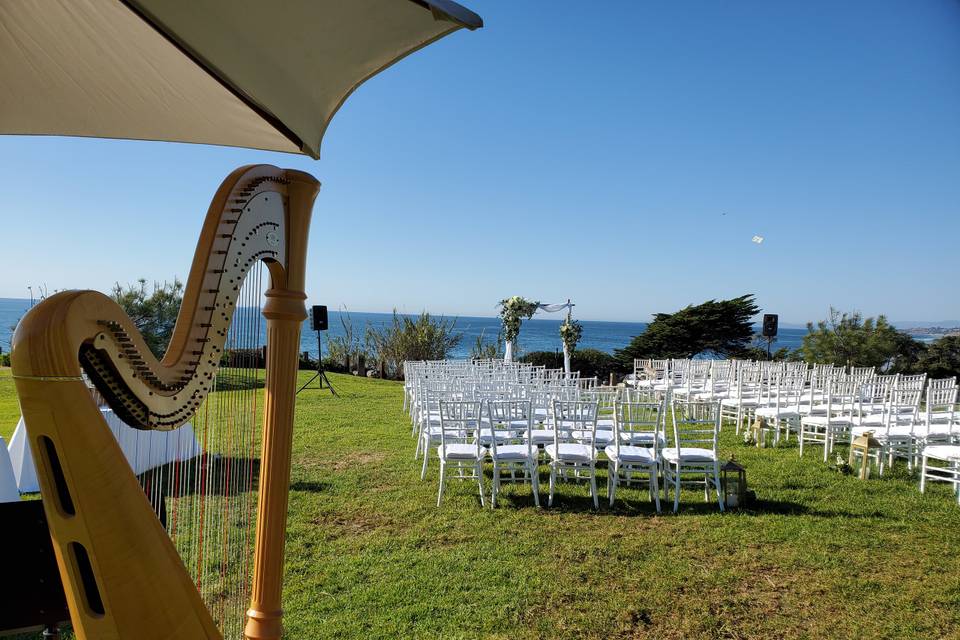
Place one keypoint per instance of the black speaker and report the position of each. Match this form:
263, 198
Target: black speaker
318, 319
770, 321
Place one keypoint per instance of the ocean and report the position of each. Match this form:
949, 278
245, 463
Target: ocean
537, 334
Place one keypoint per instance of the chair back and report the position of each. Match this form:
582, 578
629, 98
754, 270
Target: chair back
460, 422
514, 418
638, 424
695, 424
574, 415
941, 402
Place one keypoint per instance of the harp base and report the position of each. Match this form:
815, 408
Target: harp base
263, 625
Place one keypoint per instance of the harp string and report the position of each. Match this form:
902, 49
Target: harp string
206, 495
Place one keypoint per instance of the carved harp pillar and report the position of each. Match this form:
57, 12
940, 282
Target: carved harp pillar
124, 576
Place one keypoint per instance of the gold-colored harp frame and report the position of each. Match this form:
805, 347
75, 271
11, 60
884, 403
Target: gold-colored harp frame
122, 575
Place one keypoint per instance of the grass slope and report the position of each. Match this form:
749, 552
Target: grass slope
820, 554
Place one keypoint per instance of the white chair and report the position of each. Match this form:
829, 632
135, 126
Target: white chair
836, 419
896, 430
638, 434
874, 400
948, 471
428, 425
606, 399
460, 448
693, 452
937, 421
782, 411
515, 453
574, 458
744, 396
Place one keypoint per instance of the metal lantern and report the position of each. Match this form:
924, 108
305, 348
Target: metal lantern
733, 479
862, 447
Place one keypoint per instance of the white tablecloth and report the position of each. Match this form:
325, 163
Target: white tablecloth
144, 449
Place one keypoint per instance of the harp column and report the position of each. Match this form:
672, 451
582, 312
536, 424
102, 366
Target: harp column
285, 312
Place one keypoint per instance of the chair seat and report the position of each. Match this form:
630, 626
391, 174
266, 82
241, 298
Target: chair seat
570, 452
688, 454
541, 436
782, 412
603, 438
821, 421
511, 452
934, 430
939, 417
639, 438
459, 451
434, 433
630, 454
895, 433
948, 452
502, 436
740, 402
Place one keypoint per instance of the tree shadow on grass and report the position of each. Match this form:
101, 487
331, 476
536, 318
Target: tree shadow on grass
642, 506
310, 486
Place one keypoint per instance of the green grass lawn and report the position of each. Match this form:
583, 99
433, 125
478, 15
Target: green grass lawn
9, 407
819, 554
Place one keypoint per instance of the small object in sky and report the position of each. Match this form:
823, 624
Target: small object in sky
758, 239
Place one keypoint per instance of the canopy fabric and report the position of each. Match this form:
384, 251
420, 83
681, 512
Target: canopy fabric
246, 73
553, 308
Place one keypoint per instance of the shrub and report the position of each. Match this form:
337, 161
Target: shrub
487, 350
594, 363
849, 339
347, 348
589, 362
548, 359
423, 338
334, 366
941, 358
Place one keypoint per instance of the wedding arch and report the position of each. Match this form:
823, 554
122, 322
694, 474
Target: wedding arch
516, 309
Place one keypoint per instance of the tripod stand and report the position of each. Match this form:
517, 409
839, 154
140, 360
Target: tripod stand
321, 374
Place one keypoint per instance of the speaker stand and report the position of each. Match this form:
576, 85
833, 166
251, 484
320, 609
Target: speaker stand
320, 375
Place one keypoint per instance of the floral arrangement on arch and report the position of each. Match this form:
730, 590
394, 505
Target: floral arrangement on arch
513, 311
570, 332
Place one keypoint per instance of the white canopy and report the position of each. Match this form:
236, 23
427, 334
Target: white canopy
8, 482
247, 73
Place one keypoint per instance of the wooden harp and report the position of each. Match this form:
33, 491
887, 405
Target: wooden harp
123, 574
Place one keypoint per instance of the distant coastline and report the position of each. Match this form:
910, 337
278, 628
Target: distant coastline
939, 332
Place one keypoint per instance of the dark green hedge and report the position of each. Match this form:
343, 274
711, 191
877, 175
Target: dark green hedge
589, 362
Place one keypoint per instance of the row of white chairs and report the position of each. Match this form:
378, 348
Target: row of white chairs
912, 417
466, 415
473, 431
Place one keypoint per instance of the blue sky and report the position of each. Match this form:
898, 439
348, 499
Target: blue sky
622, 157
